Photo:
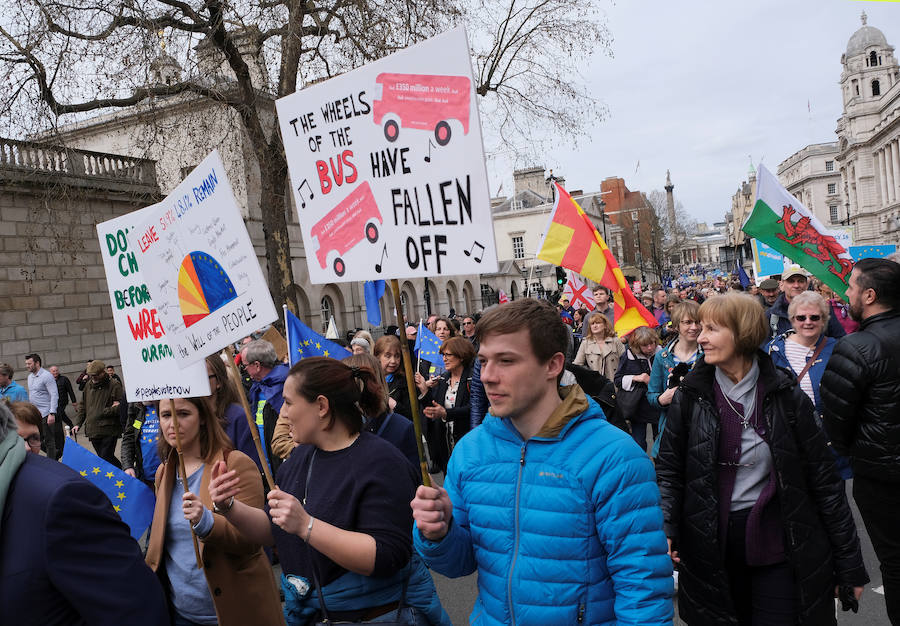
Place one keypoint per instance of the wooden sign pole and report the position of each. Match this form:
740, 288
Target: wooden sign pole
183, 473
410, 383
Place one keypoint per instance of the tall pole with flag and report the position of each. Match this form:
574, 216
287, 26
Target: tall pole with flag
572, 241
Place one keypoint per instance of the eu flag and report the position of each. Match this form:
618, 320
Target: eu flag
742, 275
871, 252
131, 499
429, 346
303, 341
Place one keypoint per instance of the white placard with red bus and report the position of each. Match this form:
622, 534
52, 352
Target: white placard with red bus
149, 369
387, 168
201, 267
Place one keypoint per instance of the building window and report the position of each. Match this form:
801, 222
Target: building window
829, 166
876, 88
832, 189
873, 59
518, 243
516, 205
833, 211
634, 216
327, 311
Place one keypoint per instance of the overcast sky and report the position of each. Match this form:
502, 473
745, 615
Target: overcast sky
699, 87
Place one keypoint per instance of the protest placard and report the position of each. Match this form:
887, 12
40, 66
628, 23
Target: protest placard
387, 168
201, 267
149, 368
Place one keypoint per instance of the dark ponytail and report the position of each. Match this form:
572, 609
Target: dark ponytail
351, 391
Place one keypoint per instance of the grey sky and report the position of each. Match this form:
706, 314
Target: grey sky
699, 87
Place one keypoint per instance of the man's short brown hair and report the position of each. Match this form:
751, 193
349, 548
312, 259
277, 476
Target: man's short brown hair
7, 370
546, 330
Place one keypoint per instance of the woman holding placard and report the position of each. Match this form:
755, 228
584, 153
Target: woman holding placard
236, 585
340, 519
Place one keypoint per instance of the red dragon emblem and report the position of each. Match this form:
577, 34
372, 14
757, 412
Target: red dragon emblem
824, 248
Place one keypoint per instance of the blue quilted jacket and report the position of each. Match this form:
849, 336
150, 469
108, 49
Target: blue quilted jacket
564, 528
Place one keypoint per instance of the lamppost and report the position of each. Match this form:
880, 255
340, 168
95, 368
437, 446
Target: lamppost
524, 272
640, 252
540, 271
427, 300
602, 205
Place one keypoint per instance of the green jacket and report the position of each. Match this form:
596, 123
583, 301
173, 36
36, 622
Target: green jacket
96, 411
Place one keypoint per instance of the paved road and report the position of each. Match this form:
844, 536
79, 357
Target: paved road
458, 595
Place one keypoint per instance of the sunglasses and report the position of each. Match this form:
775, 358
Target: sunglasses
812, 318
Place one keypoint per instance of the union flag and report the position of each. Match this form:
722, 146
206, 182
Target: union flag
571, 241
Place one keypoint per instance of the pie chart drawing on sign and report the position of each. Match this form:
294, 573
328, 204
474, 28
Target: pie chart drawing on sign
203, 287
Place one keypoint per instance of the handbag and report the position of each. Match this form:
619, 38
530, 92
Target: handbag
630, 400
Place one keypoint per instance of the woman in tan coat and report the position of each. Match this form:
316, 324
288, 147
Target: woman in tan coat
236, 585
600, 349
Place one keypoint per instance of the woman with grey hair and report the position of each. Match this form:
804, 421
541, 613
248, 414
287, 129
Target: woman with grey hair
805, 350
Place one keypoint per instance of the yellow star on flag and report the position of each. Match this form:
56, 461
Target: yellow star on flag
306, 342
120, 484
117, 508
325, 353
83, 473
95, 471
318, 346
109, 474
120, 496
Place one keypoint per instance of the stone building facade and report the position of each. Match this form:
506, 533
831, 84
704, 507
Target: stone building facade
53, 297
812, 176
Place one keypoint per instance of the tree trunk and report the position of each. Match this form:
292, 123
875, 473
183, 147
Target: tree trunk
273, 177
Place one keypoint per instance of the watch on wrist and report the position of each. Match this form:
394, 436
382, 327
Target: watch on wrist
224, 509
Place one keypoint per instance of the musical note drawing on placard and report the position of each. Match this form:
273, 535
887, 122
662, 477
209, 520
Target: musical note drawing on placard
477, 256
430, 146
383, 254
305, 183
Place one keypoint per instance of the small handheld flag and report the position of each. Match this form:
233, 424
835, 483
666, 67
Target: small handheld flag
130, 498
304, 342
429, 346
373, 290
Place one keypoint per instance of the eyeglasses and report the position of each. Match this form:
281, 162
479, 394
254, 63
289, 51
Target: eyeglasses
468, 323
812, 318
33, 441
449, 354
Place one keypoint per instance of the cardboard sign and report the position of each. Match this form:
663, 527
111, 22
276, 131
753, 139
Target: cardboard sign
149, 368
387, 168
201, 266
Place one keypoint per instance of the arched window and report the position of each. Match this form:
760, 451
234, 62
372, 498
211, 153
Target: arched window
403, 307
326, 311
873, 59
876, 88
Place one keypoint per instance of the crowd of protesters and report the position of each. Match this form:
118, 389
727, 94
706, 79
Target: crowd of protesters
758, 403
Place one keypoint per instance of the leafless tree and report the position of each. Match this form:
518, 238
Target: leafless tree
63, 62
669, 239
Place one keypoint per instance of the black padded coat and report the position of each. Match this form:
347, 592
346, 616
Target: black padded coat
861, 398
819, 532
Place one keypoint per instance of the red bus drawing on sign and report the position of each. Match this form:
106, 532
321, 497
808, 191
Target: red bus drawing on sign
423, 102
346, 225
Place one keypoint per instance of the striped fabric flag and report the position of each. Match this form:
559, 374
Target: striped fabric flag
503, 298
572, 241
781, 221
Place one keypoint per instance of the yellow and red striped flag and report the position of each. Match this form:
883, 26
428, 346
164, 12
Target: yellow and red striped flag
572, 241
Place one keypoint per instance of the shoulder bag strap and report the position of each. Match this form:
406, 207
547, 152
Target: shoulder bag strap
813, 359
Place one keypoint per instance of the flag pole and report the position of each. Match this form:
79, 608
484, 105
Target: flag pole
287, 332
254, 431
419, 353
411, 385
183, 473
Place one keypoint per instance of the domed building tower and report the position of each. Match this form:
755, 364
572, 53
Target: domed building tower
868, 132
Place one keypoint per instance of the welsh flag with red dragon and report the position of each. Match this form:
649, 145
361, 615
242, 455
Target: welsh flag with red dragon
572, 241
781, 221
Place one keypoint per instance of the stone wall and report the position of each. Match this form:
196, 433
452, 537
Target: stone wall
53, 298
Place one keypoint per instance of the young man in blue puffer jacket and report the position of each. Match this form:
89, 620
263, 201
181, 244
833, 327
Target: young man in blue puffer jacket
557, 509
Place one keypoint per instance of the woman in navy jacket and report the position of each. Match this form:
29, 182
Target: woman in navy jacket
446, 404
632, 378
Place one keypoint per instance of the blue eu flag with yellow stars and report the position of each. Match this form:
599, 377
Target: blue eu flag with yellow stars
303, 341
871, 252
429, 346
131, 499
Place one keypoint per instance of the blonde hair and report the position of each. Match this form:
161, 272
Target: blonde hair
608, 330
642, 336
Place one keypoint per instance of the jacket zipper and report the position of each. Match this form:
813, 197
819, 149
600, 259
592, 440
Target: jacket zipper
581, 612
512, 567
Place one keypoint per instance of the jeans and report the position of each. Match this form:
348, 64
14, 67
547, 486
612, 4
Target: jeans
180, 620
105, 447
52, 438
879, 505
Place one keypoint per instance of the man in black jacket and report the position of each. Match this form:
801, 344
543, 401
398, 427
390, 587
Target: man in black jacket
861, 399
